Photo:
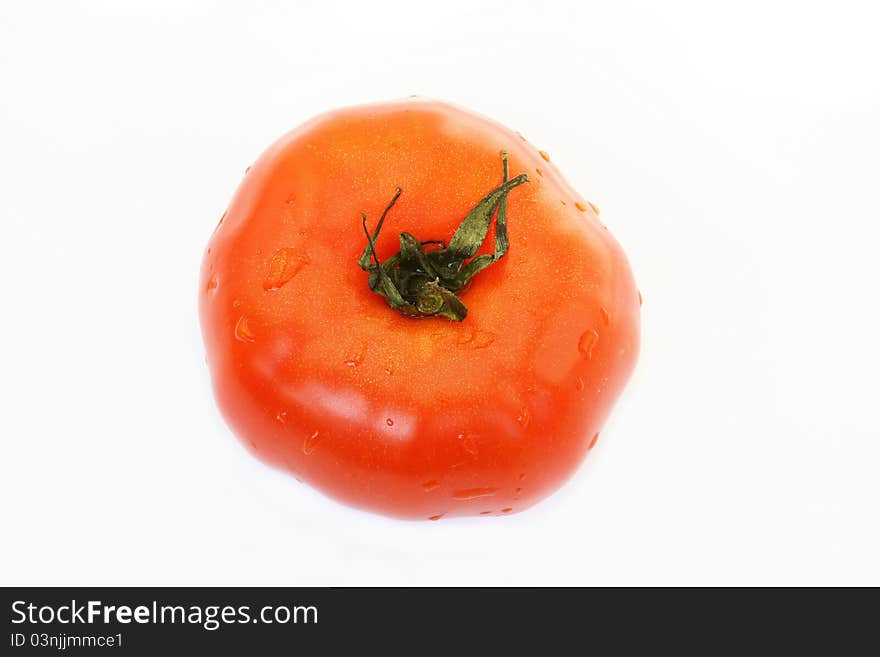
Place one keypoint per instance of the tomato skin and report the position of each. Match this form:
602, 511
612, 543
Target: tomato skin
414, 418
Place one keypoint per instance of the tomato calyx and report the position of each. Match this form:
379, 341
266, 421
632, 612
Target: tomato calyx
422, 282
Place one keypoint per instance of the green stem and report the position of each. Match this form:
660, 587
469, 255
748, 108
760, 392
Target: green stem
424, 283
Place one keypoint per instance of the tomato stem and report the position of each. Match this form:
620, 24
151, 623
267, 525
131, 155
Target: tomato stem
425, 283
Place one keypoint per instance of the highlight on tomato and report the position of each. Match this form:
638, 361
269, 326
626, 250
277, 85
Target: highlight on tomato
406, 306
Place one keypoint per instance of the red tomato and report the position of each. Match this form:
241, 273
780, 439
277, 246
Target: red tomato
365, 384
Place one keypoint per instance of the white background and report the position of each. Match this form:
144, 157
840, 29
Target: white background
733, 148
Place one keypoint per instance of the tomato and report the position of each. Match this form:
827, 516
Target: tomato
366, 364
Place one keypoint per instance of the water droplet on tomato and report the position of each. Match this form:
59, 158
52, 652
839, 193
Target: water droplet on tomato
389, 422
485, 513
522, 475
545, 155
506, 510
428, 486
593, 441
517, 492
212, 284
236, 303
311, 442
437, 517
524, 417
290, 199
356, 357
579, 384
285, 264
483, 339
242, 330
540, 172
281, 416
640, 297
473, 493
475, 338
580, 206
603, 313
596, 210
588, 342
469, 442
248, 170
